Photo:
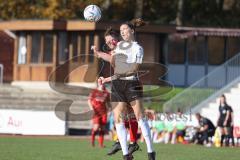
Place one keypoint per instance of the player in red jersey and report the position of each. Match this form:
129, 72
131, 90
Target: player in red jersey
111, 40
99, 102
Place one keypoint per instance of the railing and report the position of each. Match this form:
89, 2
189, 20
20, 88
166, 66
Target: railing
206, 87
1, 73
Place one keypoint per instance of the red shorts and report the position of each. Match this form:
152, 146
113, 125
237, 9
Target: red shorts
102, 120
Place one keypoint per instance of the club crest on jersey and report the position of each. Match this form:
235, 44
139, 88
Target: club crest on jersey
124, 45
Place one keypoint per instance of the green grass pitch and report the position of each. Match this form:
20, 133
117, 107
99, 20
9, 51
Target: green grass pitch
65, 148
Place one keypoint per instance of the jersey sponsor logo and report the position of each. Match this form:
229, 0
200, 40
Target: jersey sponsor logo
224, 111
124, 45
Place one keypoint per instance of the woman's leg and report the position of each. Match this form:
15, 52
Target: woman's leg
119, 109
226, 136
101, 135
142, 122
131, 121
174, 136
222, 135
94, 132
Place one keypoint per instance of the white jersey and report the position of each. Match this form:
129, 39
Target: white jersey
132, 50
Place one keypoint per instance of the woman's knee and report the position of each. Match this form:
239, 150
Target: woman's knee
138, 109
119, 111
95, 127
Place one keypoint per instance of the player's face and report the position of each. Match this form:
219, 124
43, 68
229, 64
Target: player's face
197, 117
222, 100
126, 32
109, 40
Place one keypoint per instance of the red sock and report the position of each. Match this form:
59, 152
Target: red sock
133, 129
101, 138
93, 137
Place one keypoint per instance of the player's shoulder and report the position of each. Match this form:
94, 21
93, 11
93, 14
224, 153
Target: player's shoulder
136, 45
93, 92
229, 108
205, 120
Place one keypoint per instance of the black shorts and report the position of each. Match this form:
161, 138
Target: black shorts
126, 90
220, 123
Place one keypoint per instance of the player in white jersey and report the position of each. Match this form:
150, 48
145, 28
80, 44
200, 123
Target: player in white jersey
126, 87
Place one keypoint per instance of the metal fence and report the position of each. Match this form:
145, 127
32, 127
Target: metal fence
206, 87
1, 73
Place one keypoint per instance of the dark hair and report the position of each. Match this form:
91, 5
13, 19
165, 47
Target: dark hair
135, 23
110, 32
198, 115
223, 96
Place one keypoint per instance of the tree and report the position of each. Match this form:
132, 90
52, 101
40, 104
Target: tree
220, 13
180, 9
139, 9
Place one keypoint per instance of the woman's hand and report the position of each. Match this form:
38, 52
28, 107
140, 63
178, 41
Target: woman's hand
104, 80
100, 80
95, 50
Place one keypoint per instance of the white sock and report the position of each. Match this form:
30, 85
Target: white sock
122, 137
146, 134
151, 131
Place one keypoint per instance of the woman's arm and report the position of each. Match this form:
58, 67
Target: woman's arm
112, 60
133, 68
218, 119
232, 118
226, 118
103, 55
105, 80
90, 104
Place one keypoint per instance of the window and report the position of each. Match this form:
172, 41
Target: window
233, 46
74, 43
91, 41
196, 50
215, 50
62, 47
36, 47
83, 48
48, 48
176, 51
22, 49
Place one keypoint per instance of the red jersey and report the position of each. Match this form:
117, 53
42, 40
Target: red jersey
98, 100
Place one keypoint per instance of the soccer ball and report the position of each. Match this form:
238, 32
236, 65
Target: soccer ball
92, 13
